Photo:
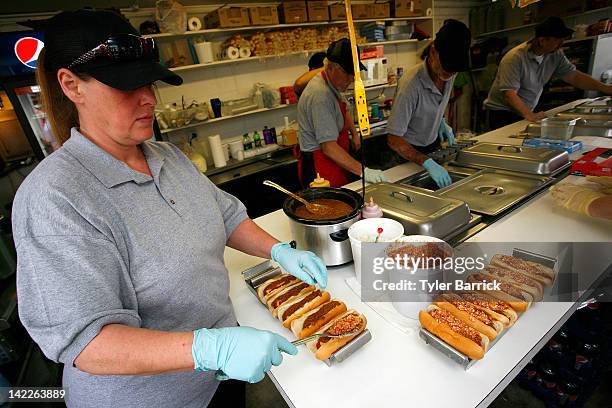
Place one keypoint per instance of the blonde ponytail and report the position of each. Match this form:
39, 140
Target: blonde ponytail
61, 112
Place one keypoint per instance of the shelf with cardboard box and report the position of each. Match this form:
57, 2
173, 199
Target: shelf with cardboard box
288, 54
164, 36
236, 34
595, 12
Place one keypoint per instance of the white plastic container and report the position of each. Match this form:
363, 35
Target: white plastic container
366, 231
421, 299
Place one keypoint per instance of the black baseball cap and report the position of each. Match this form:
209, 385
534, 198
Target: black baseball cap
70, 34
316, 61
553, 27
340, 53
453, 42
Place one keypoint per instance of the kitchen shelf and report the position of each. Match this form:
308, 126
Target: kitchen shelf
505, 30
253, 112
263, 57
215, 120
278, 26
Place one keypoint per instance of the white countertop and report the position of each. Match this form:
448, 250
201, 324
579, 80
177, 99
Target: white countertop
399, 369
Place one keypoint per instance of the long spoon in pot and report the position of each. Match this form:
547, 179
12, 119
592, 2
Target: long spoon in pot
311, 207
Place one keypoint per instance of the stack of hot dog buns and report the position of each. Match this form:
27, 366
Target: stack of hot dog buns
307, 310
469, 321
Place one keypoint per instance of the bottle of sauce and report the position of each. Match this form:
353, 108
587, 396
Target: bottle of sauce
319, 182
256, 139
267, 136
371, 210
247, 142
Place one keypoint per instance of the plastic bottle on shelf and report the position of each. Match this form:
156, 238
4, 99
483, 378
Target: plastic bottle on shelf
267, 136
247, 142
319, 182
256, 139
371, 210
289, 134
273, 135
259, 98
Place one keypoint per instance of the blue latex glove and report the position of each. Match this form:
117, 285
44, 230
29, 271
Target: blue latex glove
445, 131
303, 265
241, 353
374, 176
438, 173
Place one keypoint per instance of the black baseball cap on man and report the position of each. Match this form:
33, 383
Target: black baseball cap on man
340, 53
553, 27
71, 34
453, 42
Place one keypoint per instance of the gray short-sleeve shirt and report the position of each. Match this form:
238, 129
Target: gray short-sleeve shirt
523, 71
99, 243
319, 116
418, 107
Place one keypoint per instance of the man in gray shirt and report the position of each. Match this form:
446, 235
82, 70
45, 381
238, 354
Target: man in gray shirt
323, 128
526, 68
416, 125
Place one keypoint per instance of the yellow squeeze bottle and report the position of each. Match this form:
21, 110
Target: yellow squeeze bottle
319, 182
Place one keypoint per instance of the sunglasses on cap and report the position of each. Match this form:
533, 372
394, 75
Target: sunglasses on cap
121, 48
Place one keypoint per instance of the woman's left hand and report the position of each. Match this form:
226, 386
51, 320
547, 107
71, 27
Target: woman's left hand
303, 265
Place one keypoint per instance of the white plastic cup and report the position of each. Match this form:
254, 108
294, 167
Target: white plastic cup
422, 300
236, 147
366, 231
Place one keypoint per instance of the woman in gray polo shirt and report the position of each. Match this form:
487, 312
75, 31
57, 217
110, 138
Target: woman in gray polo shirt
120, 240
416, 125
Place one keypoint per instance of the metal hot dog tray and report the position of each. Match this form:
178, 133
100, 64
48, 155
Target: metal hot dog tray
461, 358
258, 274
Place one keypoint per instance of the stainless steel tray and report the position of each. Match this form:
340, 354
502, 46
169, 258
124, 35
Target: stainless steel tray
419, 210
461, 358
258, 274
491, 191
522, 159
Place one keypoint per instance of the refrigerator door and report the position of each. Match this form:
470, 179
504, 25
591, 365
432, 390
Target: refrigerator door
25, 97
14, 144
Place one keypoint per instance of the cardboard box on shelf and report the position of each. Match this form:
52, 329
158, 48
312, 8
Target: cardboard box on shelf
362, 11
337, 12
318, 11
267, 15
382, 10
293, 12
408, 8
227, 17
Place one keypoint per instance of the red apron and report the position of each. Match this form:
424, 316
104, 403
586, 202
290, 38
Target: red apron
325, 166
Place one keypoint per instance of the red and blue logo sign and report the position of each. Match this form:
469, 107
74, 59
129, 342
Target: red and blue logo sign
27, 50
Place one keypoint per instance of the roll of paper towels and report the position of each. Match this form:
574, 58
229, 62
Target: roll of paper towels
194, 24
232, 53
245, 52
217, 151
204, 51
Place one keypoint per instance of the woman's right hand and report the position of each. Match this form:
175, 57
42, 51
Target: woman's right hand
240, 353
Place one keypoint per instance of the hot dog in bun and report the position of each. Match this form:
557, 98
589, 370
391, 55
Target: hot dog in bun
454, 332
311, 321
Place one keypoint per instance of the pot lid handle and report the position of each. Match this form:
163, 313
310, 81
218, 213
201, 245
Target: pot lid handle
406, 196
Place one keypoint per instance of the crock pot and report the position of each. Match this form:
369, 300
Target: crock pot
328, 239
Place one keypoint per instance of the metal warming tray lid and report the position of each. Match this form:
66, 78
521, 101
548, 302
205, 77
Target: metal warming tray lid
491, 191
531, 160
419, 210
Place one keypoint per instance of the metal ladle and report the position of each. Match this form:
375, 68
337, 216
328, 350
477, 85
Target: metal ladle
311, 207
